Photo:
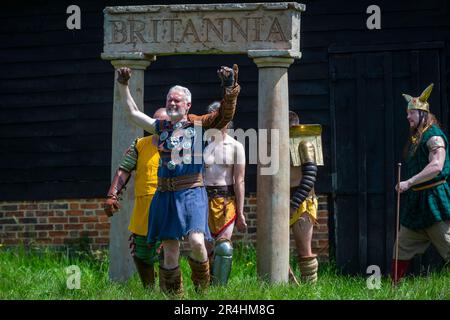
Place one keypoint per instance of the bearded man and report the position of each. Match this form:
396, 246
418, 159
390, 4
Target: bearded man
180, 206
425, 213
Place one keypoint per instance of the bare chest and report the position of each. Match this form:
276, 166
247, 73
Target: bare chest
222, 154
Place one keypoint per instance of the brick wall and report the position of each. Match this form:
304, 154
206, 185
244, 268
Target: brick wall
75, 223
82, 223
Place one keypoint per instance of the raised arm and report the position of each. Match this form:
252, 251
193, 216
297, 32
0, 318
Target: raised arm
136, 116
239, 185
220, 118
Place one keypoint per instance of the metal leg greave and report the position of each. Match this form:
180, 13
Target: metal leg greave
223, 258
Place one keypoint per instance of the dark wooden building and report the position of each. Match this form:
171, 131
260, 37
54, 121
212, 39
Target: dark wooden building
56, 104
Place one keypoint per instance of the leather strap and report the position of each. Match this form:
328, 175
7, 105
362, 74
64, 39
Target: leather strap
119, 182
220, 191
437, 183
180, 183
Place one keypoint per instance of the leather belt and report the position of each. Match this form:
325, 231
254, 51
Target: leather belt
220, 191
180, 183
428, 186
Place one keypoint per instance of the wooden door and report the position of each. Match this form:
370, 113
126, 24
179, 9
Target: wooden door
369, 131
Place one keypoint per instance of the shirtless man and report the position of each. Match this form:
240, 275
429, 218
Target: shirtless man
304, 204
224, 179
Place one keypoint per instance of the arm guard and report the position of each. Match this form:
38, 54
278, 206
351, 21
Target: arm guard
220, 118
120, 180
309, 173
111, 204
129, 160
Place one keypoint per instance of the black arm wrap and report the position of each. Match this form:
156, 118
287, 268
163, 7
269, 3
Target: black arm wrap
309, 173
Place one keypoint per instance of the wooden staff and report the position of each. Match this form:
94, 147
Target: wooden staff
399, 169
292, 276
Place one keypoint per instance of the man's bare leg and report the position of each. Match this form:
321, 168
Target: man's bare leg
171, 253
307, 261
303, 231
198, 249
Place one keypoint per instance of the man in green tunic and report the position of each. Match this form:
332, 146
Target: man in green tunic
425, 213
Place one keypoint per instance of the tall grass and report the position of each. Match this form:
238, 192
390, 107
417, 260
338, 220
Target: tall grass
41, 274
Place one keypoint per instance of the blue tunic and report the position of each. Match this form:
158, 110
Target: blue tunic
174, 214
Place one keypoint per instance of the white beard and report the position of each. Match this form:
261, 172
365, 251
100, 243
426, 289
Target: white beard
174, 114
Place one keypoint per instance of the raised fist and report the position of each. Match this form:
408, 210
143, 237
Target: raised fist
123, 75
110, 206
228, 76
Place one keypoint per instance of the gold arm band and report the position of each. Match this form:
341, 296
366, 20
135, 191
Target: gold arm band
435, 142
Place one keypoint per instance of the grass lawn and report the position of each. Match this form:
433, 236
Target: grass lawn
41, 274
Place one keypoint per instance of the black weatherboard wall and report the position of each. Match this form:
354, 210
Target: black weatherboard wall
56, 104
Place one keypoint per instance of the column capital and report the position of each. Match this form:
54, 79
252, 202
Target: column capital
133, 64
273, 62
133, 60
274, 58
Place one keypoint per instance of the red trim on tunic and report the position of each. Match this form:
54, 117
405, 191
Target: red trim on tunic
226, 225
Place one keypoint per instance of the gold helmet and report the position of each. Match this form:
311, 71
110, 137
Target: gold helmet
310, 135
419, 103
